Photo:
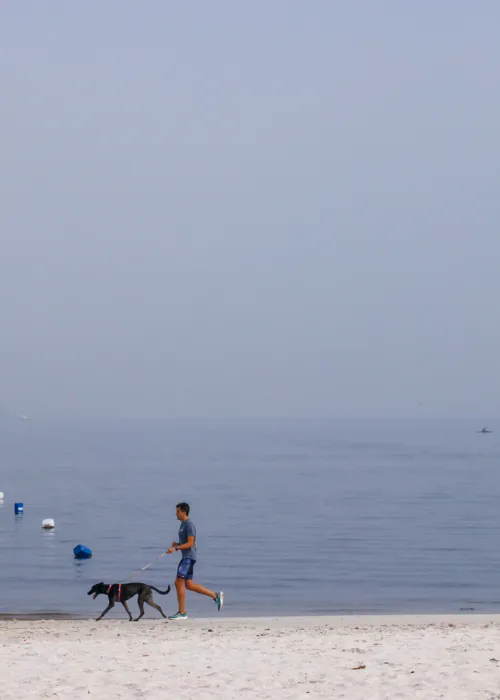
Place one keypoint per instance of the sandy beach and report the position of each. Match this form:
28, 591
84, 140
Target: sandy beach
318, 657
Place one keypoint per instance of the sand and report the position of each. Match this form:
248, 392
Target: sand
402, 657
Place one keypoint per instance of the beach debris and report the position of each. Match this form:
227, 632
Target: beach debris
359, 668
19, 508
82, 552
48, 524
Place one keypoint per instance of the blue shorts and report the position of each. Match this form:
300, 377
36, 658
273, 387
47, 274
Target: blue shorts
185, 569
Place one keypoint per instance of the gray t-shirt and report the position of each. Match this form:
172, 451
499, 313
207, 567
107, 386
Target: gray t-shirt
186, 530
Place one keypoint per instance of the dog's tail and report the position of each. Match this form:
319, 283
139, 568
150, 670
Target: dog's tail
160, 592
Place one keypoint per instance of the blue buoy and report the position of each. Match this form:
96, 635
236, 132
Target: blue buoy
19, 508
82, 552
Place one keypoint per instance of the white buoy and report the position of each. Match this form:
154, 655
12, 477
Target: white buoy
1, 496
48, 524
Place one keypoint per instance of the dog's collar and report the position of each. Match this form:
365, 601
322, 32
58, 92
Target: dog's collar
118, 598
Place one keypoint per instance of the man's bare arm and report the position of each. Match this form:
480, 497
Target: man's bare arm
176, 547
189, 544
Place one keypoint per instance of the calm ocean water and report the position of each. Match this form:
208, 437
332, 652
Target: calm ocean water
292, 517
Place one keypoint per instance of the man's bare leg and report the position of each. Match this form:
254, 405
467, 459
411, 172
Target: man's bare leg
180, 587
196, 588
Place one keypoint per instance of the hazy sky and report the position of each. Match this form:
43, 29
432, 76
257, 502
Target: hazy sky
265, 208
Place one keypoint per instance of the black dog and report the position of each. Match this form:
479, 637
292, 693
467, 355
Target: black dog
121, 592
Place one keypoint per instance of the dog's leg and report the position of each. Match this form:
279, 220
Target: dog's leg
141, 609
151, 602
128, 611
111, 605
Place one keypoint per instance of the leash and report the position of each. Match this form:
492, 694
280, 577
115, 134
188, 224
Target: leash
144, 567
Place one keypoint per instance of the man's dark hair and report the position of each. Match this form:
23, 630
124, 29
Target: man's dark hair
183, 507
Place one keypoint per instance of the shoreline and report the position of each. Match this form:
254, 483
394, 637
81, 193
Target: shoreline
34, 616
345, 620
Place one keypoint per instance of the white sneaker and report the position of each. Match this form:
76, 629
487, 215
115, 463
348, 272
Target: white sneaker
178, 616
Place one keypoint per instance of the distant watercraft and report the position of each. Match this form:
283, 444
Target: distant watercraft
485, 430
10, 415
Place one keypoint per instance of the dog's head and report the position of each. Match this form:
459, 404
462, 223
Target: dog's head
96, 589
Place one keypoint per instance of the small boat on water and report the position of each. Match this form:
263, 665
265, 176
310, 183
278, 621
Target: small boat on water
484, 430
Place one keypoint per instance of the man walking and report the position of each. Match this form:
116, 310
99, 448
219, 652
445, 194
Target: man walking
187, 546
